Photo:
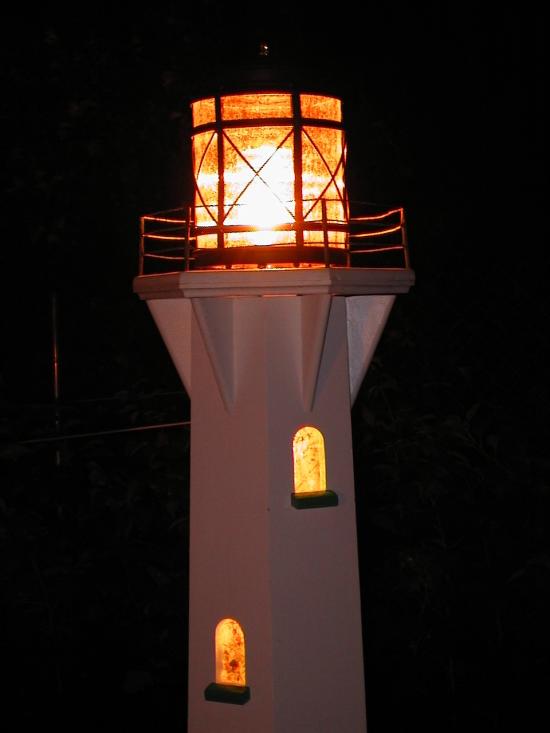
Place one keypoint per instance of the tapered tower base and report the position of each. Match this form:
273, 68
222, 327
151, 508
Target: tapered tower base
263, 359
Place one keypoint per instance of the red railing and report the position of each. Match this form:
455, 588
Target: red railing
376, 238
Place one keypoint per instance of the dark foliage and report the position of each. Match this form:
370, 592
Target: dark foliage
453, 507
94, 539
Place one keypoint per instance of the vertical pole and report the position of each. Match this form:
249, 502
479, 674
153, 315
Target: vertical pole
298, 193
141, 244
325, 232
187, 243
221, 172
404, 238
55, 374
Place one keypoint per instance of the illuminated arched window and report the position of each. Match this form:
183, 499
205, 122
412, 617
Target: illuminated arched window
310, 472
230, 685
308, 449
230, 653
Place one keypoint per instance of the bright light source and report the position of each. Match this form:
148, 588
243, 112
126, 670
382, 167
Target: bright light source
308, 448
269, 175
230, 653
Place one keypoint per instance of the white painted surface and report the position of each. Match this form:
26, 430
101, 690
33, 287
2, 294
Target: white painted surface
314, 315
173, 320
295, 281
366, 319
290, 577
261, 367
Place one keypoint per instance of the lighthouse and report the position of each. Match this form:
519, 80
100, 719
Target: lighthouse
265, 292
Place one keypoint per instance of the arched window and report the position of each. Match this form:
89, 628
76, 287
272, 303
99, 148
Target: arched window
308, 448
230, 653
310, 472
230, 685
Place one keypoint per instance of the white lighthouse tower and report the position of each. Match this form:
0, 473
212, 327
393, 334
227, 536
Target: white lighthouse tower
271, 329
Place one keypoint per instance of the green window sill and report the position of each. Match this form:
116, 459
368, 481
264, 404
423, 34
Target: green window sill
314, 499
234, 694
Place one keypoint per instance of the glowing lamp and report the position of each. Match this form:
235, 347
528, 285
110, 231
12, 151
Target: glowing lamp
310, 482
269, 180
230, 685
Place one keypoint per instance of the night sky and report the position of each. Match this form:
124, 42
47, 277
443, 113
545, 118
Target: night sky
443, 110
443, 107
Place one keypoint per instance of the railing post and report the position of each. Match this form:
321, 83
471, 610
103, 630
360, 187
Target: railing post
186, 244
404, 238
325, 232
141, 244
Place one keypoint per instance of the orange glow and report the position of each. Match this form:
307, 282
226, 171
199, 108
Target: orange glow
378, 233
175, 237
256, 106
257, 186
166, 219
176, 229
314, 106
230, 653
205, 149
372, 250
323, 175
385, 215
308, 449
204, 111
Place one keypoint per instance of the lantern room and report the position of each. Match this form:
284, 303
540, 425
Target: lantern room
269, 180
266, 188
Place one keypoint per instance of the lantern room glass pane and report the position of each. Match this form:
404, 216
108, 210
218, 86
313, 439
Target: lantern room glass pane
308, 448
259, 184
207, 241
253, 106
315, 238
317, 107
203, 111
335, 210
323, 174
205, 167
230, 653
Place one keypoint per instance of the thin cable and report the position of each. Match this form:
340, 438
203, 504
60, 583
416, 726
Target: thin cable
113, 398
73, 436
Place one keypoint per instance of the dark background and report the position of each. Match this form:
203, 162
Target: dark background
443, 107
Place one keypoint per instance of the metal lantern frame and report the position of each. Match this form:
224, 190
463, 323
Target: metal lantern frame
301, 252
343, 234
